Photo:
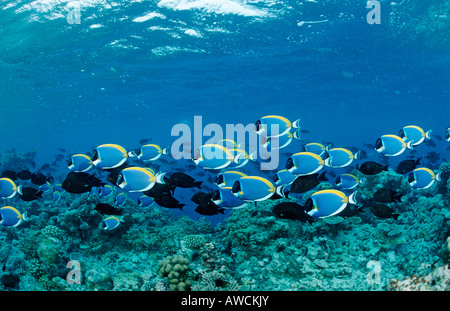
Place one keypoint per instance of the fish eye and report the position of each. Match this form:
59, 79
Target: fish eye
236, 187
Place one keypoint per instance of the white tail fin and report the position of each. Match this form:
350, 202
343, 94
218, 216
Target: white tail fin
410, 145
438, 176
296, 124
165, 150
352, 198
160, 177
363, 180
24, 216
428, 134
239, 156
357, 155
19, 190
132, 154
253, 156
296, 134
281, 192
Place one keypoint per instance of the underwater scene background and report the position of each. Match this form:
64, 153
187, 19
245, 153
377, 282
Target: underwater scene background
79, 74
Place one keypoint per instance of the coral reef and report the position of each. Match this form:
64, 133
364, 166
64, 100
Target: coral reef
15, 161
98, 279
194, 241
438, 280
445, 251
216, 281
155, 249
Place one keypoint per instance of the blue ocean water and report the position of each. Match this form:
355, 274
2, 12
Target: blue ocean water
123, 72
78, 74
112, 78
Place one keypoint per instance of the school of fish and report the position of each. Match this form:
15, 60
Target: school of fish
304, 171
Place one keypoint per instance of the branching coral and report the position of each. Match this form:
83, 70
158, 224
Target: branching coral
194, 241
216, 281
212, 257
54, 232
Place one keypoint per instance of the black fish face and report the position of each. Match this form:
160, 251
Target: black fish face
338, 181
275, 178
411, 178
257, 126
94, 155
309, 205
401, 134
218, 180
216, 195
136, 152
289, 163
236, 187
69, 162
120, 179
378, 144
197, 154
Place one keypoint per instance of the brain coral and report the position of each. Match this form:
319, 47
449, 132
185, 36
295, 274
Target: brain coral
176, 269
